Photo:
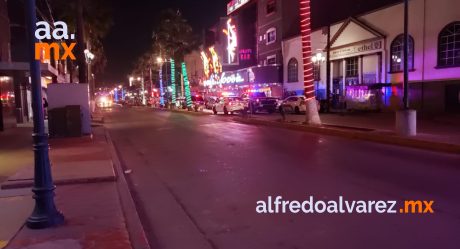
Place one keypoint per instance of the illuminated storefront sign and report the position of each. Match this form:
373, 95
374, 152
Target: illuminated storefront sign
245, 54
232, 42
205, 59
216, 66
235, 4
227, 78
363, 48
211, 64
231, 78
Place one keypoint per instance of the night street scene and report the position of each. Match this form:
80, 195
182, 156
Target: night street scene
230, 124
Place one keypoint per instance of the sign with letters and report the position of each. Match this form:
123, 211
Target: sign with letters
358, 49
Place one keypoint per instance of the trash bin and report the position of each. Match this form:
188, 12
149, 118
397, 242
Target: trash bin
57, 122
74, 120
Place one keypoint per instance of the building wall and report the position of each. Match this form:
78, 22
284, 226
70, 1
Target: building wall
5, 54
265, 23
286, 21
292, 48
195, 69
426, 20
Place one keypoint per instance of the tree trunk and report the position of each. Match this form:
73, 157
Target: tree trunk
312, 115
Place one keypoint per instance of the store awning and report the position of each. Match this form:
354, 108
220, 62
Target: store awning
9, 68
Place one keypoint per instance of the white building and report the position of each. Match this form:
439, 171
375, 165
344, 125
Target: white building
367, 58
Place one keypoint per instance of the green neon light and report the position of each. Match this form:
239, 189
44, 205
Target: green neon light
188, 95
173, 81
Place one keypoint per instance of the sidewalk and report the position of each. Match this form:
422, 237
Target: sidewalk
442, 135
88, 194
440, 129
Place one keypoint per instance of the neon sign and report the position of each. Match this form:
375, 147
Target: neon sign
231, 79
235, 4
245, 54
232, 41
211, 64
216, 66
205, 59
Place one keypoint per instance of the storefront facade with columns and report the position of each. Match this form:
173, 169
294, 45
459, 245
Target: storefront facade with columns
366, 59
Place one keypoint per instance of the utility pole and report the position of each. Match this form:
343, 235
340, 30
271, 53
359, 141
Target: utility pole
406, 119
406, 54
143, 88
328, 69
45, 213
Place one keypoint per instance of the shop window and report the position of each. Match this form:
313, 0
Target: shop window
449, 46
271, 6
271, 60
293, 70
352, 65
397, 54
316, 72
271, 36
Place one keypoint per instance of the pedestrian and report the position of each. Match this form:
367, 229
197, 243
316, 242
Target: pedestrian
45, 107
283, 114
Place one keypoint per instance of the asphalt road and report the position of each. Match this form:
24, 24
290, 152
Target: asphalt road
197, 180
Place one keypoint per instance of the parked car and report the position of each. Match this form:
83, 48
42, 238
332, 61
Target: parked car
260, 102
210, 101
230, 105
198, 103
296, 104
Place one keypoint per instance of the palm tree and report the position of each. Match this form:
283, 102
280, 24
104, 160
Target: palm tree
174, 37
97, 16
312, 116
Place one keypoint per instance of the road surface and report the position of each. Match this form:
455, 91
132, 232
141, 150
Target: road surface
197, 181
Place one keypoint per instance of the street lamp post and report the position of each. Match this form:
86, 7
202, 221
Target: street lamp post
406, 119
317, 60
45, 213
89, 59
131, 79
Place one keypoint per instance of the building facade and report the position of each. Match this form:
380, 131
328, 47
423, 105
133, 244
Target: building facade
366, 58
277, 20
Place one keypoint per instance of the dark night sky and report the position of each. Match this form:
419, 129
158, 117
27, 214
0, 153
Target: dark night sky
134, 21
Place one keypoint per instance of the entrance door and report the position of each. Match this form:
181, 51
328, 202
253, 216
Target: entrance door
453, 98
337, 94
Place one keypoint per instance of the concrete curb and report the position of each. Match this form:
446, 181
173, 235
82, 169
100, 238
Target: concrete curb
134, 225
182, 111
28, 183
361, 135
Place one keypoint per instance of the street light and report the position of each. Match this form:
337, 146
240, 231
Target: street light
318, 58
131, 79
45, 213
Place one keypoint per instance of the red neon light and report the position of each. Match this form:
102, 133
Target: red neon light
305, 25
